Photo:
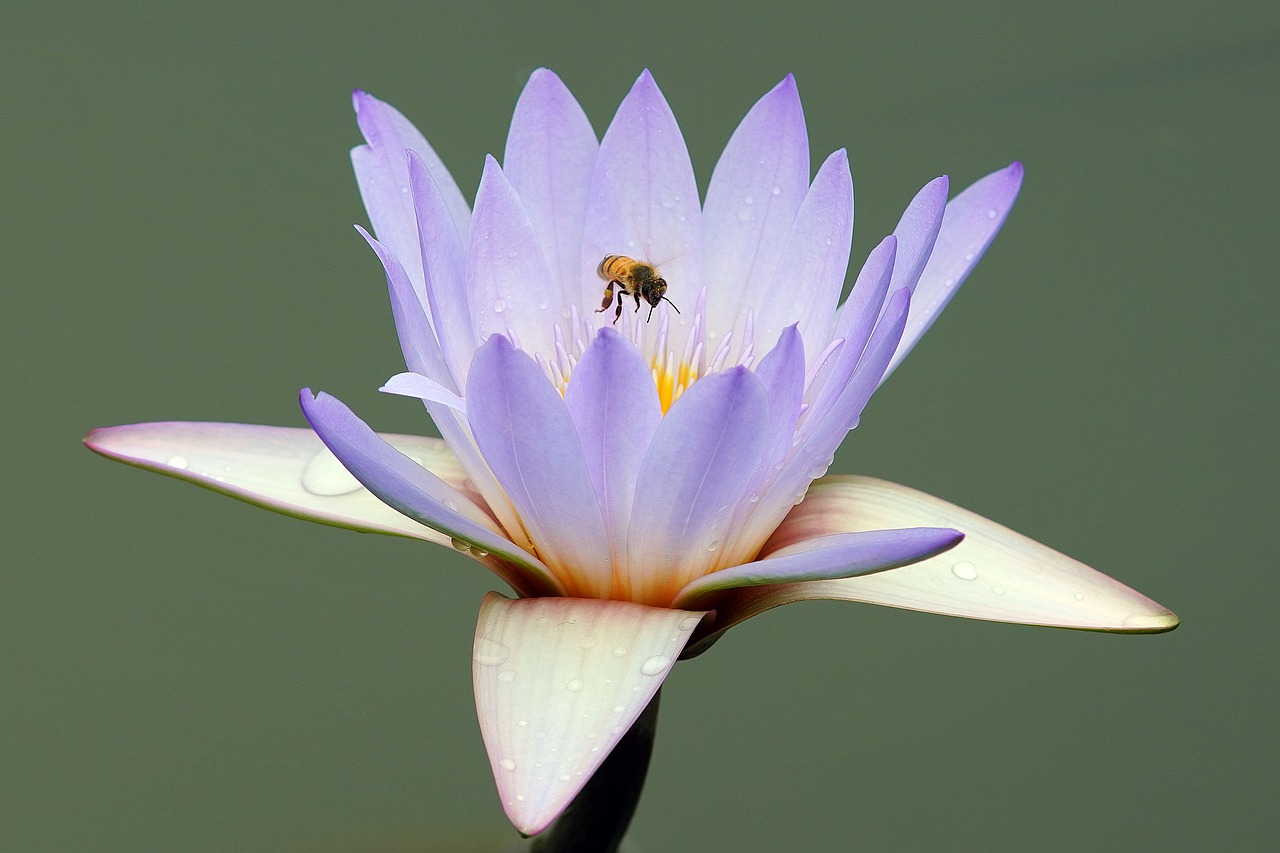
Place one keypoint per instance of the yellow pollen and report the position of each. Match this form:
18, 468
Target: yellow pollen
671, 379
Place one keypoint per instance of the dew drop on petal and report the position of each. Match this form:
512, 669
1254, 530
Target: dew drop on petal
325, 476
619, 651
655, 665
507, 764
992, 214
715, 543
618, 709
1079, 596
777, 190
522, 723
177, 462
564, 777
574, 686
587, 642
499, 305
507, 676
689, 623
459, 545
543, 303
964, 570
490, 652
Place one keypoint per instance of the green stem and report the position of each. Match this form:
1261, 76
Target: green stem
598, 817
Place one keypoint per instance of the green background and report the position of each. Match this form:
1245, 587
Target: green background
179, 671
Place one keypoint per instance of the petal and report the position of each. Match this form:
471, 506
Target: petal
615, 410
781, 372
382, 172
284, 469
427, 390
558, 682
527, 438
643, 200
409, 488
551, 151
507, 276
969, 224
994, 574
806, 287
917, 231
700, 462
444, 267
755, 191
826, 557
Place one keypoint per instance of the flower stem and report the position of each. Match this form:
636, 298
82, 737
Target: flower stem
598, 817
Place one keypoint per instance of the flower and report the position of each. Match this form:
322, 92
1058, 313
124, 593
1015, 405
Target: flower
642, 485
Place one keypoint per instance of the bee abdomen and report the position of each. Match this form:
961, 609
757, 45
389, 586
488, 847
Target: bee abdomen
606, 263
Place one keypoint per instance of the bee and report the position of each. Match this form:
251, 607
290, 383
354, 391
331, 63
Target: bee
637, 279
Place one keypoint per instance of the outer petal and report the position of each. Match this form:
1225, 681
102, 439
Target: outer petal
806, 286
427, 390
383, 175
917, 231
507, 277
754, 194
412, 490
994, 574
284, 469
643, 200
700, 462
614, 405
528, 439
969, 224
551, 151
828, 557
558, 682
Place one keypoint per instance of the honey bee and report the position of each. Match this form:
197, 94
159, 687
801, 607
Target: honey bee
637, 279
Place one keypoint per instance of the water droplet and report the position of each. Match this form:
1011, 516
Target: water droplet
749, 200
655, 665
964, 570
777, 190
543, 303
754, 499
998, 590
991, 214
479, 552
587, 642
689, 623
177, 462
744, 215
507, 764
574, 686
522, 723
490, 652
1079, 596
969, 256
499, 305
325, 476
618, 709
715, 543
564, 777
595, 749
1143, 620
459, 545
619, 651
507, 676
519, 798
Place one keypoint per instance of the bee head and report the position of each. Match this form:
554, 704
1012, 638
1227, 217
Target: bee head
654, 291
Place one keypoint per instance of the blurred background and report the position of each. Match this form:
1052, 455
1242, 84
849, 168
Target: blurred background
184, 672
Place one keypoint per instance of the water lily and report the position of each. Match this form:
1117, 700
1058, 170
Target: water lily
641, 484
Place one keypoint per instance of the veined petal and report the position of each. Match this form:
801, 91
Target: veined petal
425, 389
558, 682
969, 224
409, 488
643, 200
994, 574
383, 175
444, 267
825, 557
806, 285
615, 409
917, 231
700, 462
284, 469
525, 433
755, 191
507, 277
551, 151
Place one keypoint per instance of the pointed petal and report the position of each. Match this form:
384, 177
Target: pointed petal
994, 574
700, 462
283, 469
827, 557
551, 151
806, 287
643, 200
917, 231
969, 224
417, 385
614, 405
409, 488
523, 429
444, 267
781, 372
755, 191
382, 172
507, 277
558, 682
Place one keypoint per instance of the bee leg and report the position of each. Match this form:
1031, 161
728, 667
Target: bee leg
618, 313
608, 298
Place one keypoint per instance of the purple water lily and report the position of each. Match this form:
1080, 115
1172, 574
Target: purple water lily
646, 484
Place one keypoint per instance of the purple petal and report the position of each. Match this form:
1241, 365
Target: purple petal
524, 431
444, 266
806, 287
614, 405
755, 191
828, 557
558, 682
409, 488
551, 151
916, 232
700, 462
383, 175
969, 224
507, 277
427, 390
643, 201
781, 373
